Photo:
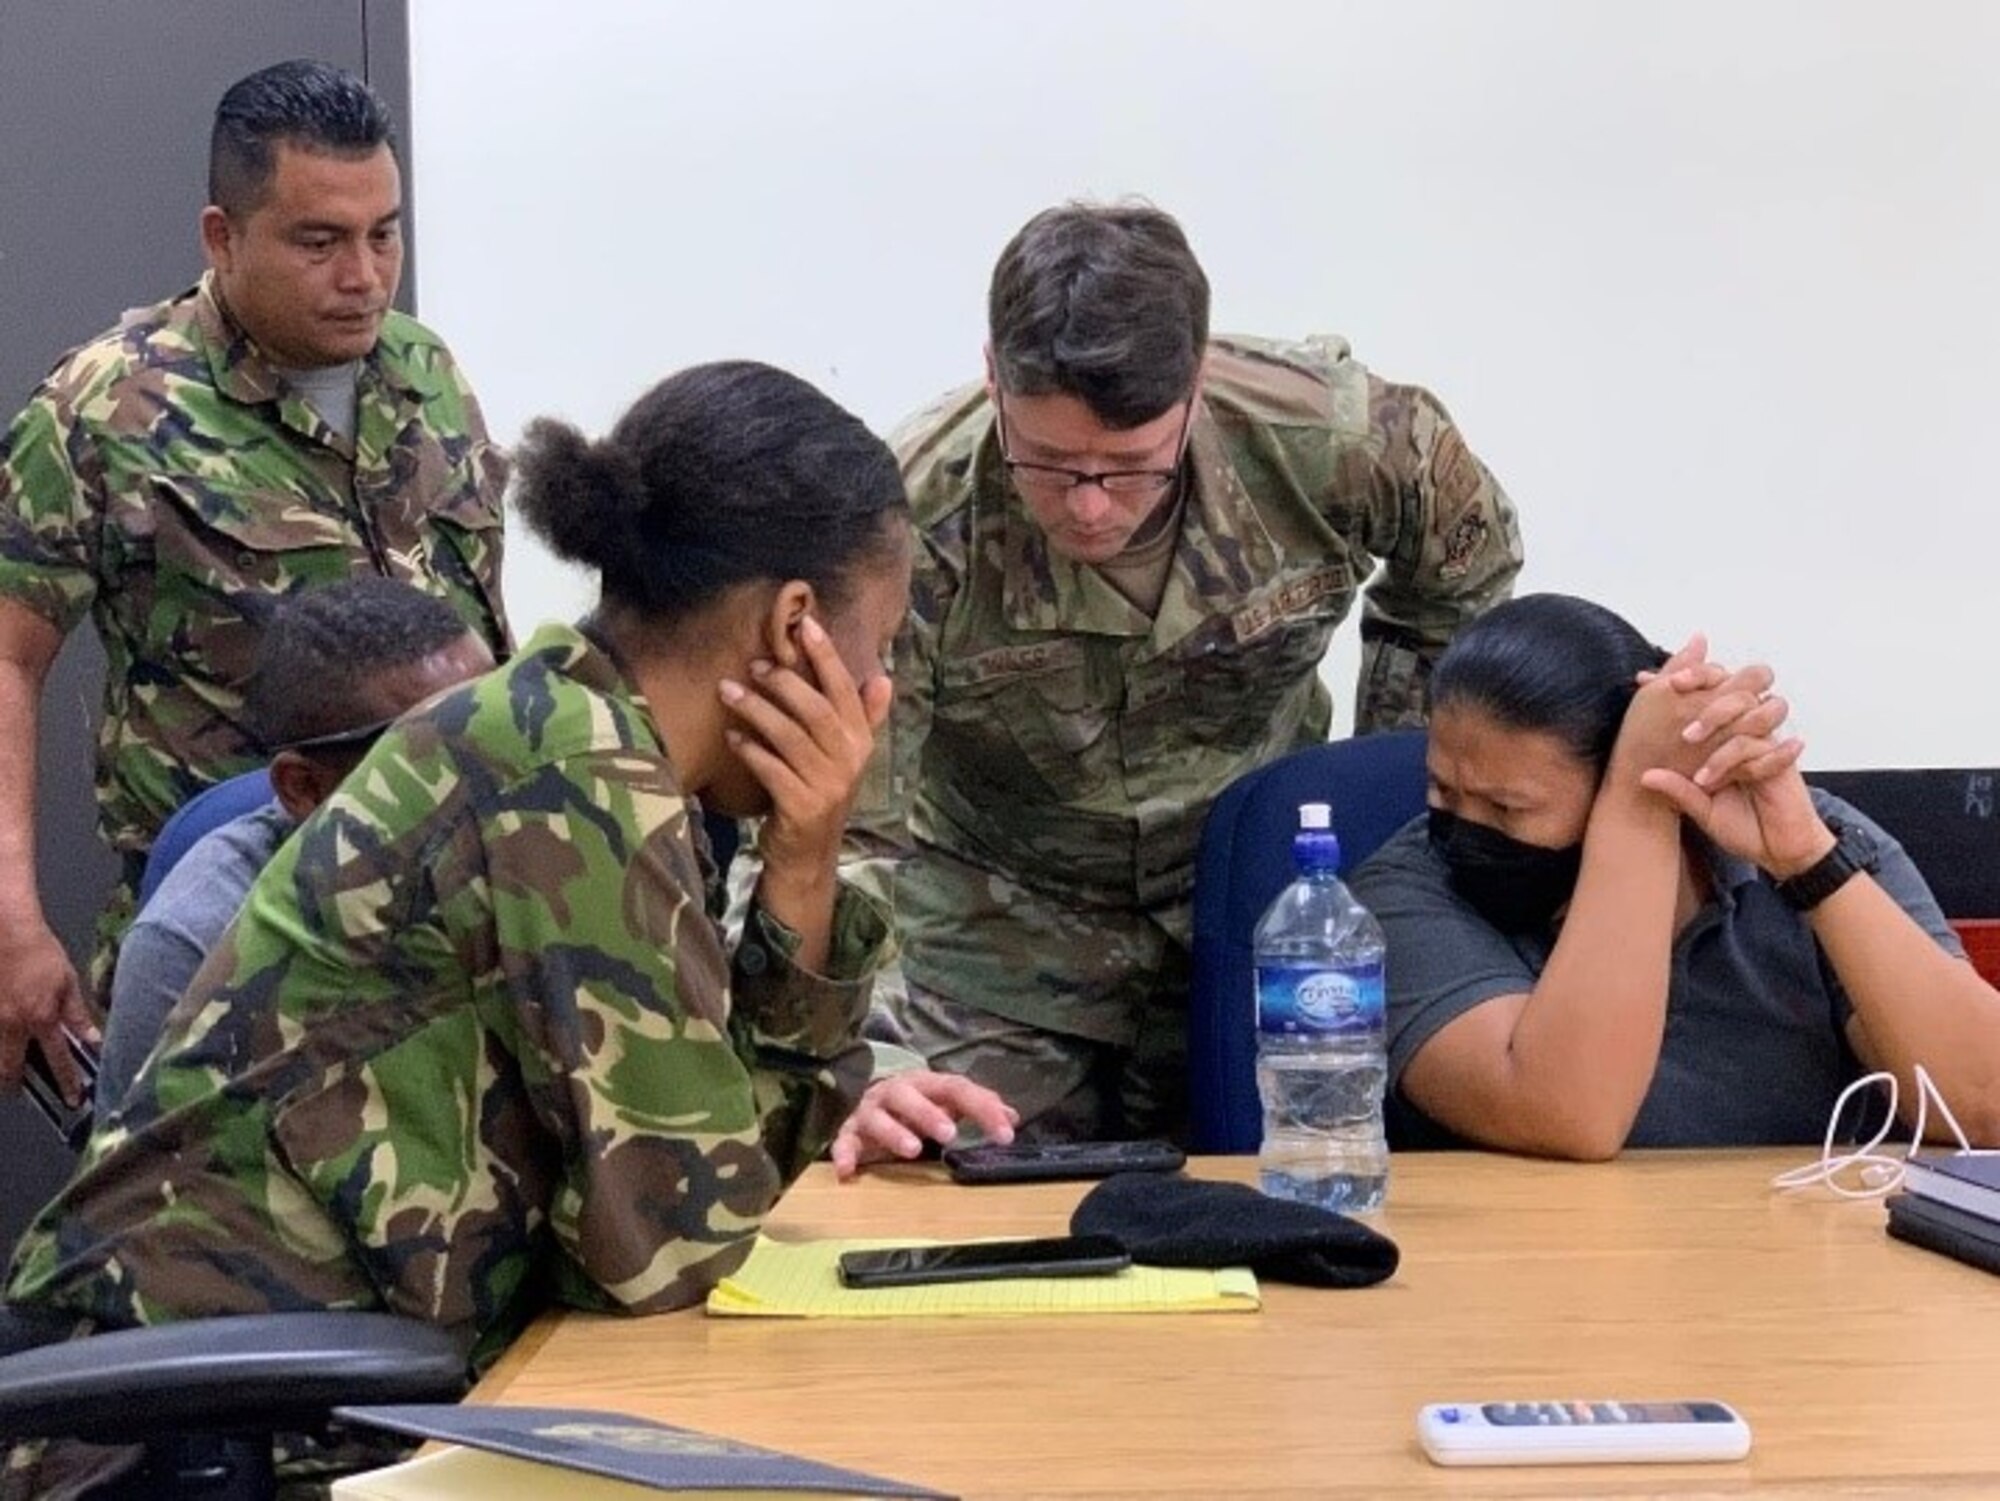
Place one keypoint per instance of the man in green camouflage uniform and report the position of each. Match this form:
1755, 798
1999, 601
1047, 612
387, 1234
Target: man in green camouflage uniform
275, 427
1134, 547
473, 1044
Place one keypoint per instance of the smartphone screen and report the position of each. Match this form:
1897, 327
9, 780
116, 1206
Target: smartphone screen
975, 1261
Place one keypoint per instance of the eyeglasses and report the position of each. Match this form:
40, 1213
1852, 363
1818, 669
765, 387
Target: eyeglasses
358, 739
1058, 479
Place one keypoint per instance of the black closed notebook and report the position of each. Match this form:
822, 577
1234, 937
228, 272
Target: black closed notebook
1946, 1229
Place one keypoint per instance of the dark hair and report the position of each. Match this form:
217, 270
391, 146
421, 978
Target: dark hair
321, 648
719, 475
1103, 302
1551, 663
303, 103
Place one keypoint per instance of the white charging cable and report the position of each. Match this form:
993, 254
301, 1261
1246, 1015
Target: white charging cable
1880, 1171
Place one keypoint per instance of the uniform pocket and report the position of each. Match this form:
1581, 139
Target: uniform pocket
222, 558
1026, 720
1235, 691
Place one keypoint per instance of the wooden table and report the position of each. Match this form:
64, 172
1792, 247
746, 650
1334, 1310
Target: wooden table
1865, 1367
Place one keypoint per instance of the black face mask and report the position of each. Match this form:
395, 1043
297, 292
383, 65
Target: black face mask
1517, 887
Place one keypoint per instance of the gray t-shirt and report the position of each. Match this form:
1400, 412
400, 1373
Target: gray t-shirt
1755, 1049
330, 391
173, 934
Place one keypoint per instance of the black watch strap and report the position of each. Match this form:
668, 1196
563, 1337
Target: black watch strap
1853, 852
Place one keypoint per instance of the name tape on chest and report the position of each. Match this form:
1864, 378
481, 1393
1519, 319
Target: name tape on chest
1015, 661
1290, 598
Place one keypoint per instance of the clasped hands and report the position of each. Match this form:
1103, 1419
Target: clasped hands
1707, 740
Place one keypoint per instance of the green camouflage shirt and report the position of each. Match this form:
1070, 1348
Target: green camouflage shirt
473, 1044
1048, 731
166, 480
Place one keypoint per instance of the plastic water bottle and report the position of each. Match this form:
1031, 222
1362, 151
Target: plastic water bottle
1320, 1056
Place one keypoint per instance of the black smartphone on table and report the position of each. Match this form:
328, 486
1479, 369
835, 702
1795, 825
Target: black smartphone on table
71, 1122
984, 1261
1025, 1163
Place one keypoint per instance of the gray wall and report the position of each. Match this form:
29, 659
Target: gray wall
104, 113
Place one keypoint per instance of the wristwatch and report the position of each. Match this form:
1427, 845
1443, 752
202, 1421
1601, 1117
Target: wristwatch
1853, 852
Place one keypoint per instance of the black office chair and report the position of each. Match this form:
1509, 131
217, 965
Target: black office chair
1948, 822
207, 1396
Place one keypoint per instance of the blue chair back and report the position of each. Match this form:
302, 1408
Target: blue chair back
208, 809
1375, 784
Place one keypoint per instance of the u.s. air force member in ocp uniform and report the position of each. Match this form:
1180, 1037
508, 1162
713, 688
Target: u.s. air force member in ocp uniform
274, 427
1134, 545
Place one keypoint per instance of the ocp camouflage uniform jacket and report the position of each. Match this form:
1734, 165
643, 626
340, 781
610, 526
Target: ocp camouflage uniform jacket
167, 481
473, 1044
1047, 730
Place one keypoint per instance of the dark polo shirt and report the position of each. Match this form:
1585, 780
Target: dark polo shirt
1755, 1049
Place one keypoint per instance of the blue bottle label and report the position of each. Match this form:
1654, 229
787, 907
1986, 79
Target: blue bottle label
1308, 1001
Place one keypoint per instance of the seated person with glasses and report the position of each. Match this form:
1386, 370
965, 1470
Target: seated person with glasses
1627, 921
1134, 543
474, 1045
335, 667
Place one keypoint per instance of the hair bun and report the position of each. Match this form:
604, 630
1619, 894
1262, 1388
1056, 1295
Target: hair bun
719, 475
581, 497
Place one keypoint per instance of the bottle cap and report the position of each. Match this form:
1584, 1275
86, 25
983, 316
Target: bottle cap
1315, 817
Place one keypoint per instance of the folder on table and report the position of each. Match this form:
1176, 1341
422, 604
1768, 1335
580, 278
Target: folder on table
580, 1455
800, 1279
1964, 1180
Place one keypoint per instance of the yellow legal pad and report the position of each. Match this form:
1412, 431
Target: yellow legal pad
798, 1280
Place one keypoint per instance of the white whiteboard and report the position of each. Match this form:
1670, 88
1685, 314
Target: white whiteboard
1710, 285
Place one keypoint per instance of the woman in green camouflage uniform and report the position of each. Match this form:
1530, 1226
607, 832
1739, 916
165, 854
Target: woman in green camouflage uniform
475, 1043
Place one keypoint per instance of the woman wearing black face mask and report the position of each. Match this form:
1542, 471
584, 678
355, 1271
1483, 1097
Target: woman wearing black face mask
1627, 921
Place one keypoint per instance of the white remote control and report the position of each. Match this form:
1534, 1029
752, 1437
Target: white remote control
1581, 1433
